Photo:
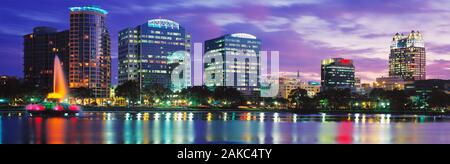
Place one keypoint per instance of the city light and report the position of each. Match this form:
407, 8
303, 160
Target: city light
213, 77
88, 8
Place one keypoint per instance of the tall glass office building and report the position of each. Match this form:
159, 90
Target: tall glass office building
90, 52
407, 59
338, 73
233, 60
40, 49
148, 53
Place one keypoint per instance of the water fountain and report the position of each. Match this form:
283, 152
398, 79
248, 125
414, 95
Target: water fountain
59, 83
54, 103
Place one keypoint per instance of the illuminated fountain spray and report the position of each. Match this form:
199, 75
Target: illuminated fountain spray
54, 104
59, 82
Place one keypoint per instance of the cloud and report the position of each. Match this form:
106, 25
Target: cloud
271, 24
41, 17
12, 31
224, 19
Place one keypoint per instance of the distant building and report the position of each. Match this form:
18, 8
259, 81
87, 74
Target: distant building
40, 49
313, 88
423, 88
366, 88
5, 79
90, 50
145, 51
8, 85
338, 73
407, 59
286, 85
390, 83
233, 60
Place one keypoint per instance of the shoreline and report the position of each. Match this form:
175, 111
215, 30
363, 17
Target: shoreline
140, 109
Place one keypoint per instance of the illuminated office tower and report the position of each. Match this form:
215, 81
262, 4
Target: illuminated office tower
338, 73
149, 53
90, 53
40, 49
407, 59
233, 60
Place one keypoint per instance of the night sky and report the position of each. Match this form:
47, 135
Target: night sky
304, 31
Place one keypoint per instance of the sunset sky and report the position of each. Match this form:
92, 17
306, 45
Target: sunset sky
304, 31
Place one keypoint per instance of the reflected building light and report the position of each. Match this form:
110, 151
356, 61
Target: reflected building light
388, 118
276, 117
383, 119
127, 116
357, 117
146, 116
168, 116
261, 117
225, 116
324, 117
209, 117
157, 116
294, 118
184, 116
363, 120
191, 116
249, 116
139, 116
180, 116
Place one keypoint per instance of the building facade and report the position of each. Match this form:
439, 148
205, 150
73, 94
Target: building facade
407, 59
146, 50
338, 73
313, 88
233, 60
90, 52
40, 49
390, 83
286, 85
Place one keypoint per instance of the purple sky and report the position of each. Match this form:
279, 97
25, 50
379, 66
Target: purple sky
304, 31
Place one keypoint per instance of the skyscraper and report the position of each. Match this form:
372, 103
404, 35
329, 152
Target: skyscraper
149, 52
407, 59
90, 54
338, 73
40, 49
233, 60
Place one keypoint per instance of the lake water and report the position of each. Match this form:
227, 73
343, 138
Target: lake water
223, 128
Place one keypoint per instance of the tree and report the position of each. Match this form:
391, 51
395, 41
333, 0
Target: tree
438, 99
335, 98
300, 98
197, 95
398, 100
156, 93
231, 97
12, 88
129, 90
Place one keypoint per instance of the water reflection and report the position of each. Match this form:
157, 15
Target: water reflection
223, 127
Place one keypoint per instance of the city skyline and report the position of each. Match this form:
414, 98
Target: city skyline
302, 37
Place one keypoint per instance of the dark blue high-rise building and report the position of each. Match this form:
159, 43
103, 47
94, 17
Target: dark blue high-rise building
233, 60
144, 52
338, 73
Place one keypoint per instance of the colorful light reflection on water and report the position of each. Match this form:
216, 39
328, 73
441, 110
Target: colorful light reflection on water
223, 127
